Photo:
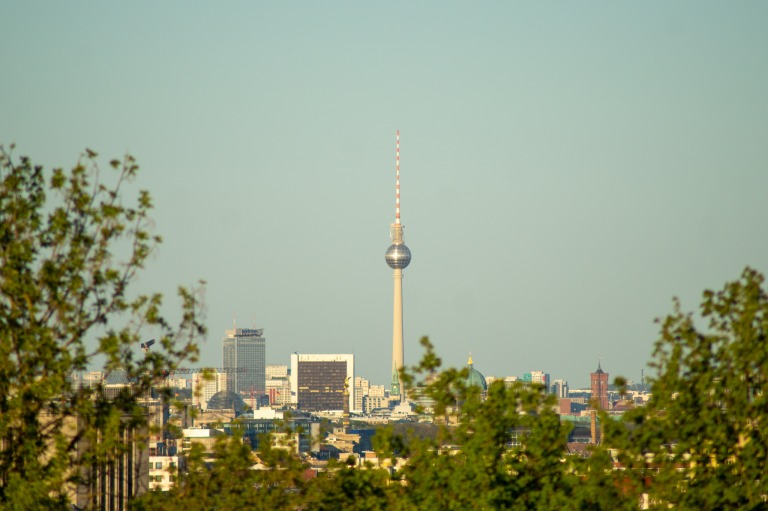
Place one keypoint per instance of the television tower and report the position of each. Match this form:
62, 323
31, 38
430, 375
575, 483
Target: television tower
397, 256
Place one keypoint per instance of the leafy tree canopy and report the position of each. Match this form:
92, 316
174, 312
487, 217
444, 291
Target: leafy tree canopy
702, 440
70, 248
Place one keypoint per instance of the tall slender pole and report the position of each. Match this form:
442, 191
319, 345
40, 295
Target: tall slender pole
397, 322
397, 177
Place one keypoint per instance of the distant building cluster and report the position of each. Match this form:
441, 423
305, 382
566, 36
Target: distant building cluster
312, 388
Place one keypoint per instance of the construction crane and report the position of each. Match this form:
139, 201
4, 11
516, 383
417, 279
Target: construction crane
146, 348
193, 370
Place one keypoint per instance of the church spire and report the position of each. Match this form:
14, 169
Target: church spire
599, 369
395, 385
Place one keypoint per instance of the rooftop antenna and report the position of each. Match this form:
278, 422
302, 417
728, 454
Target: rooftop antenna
397, 177
395, 229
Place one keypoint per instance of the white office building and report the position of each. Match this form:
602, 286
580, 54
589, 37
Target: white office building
203, 389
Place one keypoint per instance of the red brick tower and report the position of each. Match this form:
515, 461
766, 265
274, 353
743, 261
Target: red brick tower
600, 388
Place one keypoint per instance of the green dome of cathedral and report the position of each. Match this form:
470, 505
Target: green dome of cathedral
475, 378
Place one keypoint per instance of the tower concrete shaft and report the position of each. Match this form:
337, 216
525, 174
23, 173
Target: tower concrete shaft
397, 322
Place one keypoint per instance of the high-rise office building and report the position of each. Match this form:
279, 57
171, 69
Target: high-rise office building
278, 385
361, 390
539, 377
245, 361
317, 381
599, 381
559, 388
377, 398
274, 371
279, 392
510, 380
398, 256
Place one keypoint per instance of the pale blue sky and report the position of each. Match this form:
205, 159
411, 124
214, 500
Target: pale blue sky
567, 167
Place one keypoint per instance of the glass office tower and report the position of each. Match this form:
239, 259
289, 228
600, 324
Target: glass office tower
245, 361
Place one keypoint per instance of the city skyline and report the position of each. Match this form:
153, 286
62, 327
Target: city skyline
570, 168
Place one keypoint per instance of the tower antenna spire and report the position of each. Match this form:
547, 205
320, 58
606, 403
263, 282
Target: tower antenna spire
397, 177
396, 229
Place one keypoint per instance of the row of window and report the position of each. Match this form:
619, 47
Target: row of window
159, 464
159, 479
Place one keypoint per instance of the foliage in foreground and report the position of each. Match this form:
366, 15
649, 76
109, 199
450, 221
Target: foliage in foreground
702, 440
69, 250
505, 452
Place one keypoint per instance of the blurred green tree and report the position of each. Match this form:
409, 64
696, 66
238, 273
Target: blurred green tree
69, 250
232, 476
701, 442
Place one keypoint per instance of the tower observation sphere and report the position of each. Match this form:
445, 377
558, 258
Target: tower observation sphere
398, 256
